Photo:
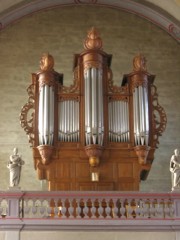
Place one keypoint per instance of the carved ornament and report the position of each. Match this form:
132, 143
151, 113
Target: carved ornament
93, 40
46, 153
159, 118
46, 78
142, 153
46, 62
139, 63
26, 121
75, 87
94, 152
113, 89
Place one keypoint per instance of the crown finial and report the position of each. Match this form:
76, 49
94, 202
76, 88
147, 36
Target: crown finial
93, 40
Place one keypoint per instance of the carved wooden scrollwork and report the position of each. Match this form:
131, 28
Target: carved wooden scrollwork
27, 118
159, 116
138, 82
112, 89
75, 87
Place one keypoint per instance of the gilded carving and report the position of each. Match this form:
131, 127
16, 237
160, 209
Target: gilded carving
159, 119
46, 153
136, 82
75, 87
26, 121
93, 41
142, 153
113, 89
47, 62
139, 63
94, 153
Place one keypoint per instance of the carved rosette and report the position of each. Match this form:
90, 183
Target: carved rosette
46, 152
93, 40
142, 153
94, 152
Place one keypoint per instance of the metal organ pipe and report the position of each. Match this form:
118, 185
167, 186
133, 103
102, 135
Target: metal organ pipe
46, 115
51, 121
41, 112
94, 124
68, 121
94, 100
118, 121
141, 116
100, 108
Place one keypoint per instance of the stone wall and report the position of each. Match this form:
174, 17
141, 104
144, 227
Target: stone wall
61, 32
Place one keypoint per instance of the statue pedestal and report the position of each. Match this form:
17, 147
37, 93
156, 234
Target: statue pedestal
175, 189
14, 189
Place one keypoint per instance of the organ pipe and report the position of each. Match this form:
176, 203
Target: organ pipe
68, 127
93, 106
118, 121
141, 116
46, 115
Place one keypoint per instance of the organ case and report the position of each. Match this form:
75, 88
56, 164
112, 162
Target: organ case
93, 135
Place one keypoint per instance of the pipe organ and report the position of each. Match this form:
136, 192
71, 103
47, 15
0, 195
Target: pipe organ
93, 135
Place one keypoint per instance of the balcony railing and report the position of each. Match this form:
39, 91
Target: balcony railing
89, 210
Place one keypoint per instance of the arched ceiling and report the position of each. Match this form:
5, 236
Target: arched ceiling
163, 13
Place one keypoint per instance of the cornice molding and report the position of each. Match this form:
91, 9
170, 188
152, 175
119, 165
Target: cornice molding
139, 9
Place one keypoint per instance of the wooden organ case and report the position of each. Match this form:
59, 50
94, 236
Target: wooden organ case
93, 135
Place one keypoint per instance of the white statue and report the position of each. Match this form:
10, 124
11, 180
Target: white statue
14, 165
175, 169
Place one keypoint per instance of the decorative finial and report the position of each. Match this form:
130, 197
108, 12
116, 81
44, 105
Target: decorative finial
93, 40
46, 62
139, 63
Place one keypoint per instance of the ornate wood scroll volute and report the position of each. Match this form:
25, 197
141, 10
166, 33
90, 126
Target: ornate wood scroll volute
27, 114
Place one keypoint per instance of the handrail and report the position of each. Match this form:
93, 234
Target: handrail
34, 209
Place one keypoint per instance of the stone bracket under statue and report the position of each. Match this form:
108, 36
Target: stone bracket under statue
93, 135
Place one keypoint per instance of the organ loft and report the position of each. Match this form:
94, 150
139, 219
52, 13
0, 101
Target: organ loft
93, 135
